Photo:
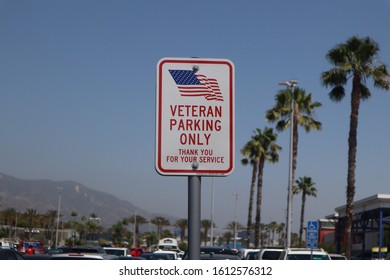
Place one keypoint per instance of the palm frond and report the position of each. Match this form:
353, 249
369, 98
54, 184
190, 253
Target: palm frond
337, 93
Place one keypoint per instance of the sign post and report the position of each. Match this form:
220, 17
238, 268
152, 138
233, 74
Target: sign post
194, 127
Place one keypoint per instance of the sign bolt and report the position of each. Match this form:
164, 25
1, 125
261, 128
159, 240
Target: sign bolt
195, 165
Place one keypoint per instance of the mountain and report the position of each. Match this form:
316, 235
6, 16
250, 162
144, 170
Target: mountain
43, 195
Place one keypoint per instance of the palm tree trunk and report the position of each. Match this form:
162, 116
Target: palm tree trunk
258, 202
302, 217
250, 208
352, 147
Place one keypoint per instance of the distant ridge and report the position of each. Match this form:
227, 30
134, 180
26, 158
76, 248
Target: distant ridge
42, 195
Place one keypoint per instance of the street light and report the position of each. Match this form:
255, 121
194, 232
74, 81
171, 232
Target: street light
235, 219
58, 213
291, 85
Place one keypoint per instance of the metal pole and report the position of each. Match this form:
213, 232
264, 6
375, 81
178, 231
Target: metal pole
194, 184
212, 213
290, 84
135, 227
58, 213
235, 221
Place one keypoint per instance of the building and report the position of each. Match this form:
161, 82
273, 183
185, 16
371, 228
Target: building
370, 226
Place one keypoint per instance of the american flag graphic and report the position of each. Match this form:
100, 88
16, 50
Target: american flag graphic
193, 84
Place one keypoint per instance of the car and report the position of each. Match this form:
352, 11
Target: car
83, 256
10, 254
217, 250
117, 251
337, 257
244, 253
173, 255
163, 255
130, 258
84, 249
304, 254
251, 255
213, 256
269, 254
148, 256
215, 253
136, 252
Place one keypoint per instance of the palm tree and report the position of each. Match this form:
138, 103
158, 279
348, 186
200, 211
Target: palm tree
137, 220
264, 144
32, 217
118, 231
233, 227
304, 109
182, 224
160, 222
51, 219
251, 156
272, 227
305, 186
356, 59
205, 225
280, 232
227, 237
9, 217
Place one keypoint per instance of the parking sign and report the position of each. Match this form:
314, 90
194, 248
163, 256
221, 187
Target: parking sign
312, 234
195, 117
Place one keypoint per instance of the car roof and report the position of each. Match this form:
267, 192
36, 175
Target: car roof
83, 256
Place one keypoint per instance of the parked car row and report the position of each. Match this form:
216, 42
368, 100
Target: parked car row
289, 254
206, 253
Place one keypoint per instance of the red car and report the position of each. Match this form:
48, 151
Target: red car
136, 252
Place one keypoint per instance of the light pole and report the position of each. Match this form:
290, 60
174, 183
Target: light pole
135, 229
291, 85
58, 212
235, 220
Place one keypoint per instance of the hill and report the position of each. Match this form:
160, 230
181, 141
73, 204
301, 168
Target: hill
43, 195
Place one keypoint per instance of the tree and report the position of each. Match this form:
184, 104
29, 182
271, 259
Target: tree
137, 220
355, 60
233, 227
305, 186
280, 231
118, 231
9, 218
263, 145
227, 237
303, 111
32, 217
251, 156
160, 222
205, 225
182, 224
272, 227
51, 216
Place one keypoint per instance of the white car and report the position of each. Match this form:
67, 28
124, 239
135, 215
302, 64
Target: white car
171, 255
269, 254
120, 252
337, 257
304, 254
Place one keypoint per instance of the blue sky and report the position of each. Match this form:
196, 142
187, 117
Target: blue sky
77, 88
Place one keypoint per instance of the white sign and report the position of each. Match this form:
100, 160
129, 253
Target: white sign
195, 117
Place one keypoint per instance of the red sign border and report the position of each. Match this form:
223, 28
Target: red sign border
188, 172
